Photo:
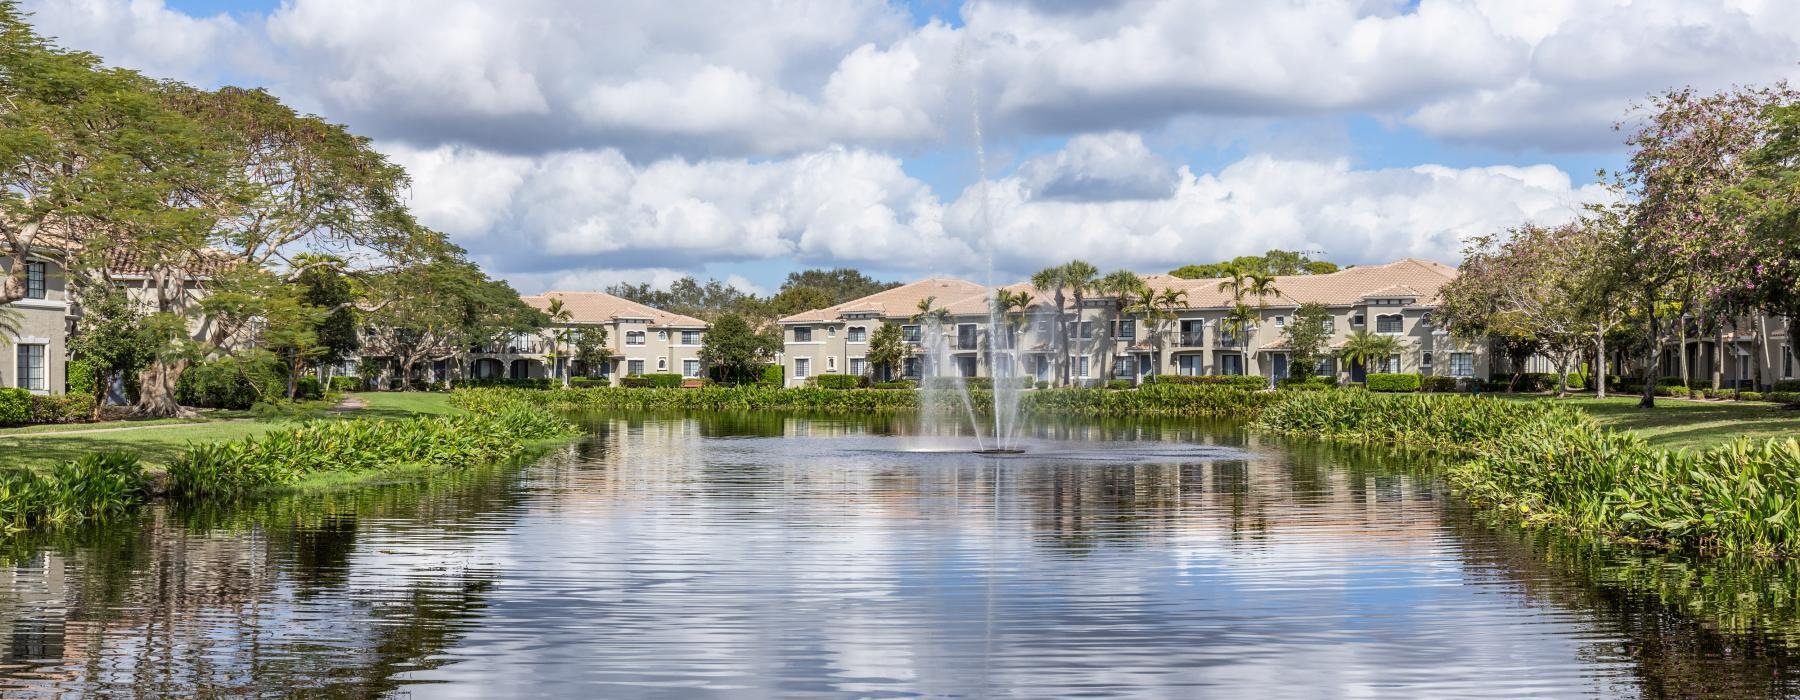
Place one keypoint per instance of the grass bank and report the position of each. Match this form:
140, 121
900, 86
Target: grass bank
156, 442
1159, 400
110, 469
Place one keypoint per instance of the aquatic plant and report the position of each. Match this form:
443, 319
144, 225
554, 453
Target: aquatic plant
90, 488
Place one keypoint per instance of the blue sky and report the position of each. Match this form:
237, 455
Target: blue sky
575, 145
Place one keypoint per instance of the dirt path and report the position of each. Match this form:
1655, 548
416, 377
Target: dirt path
91, 431
349, 404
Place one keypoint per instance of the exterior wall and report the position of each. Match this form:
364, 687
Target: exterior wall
42, 322
661, 352
829, 351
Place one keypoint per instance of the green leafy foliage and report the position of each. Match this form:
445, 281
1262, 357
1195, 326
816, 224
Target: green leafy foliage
1239, 381
93, 487
15, 406
499, 431
343, 384
232, 382
840, 381
1448, 421
69, 408
652, 381
1393, 382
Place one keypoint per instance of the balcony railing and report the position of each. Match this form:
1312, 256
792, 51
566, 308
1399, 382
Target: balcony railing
967, 343
1193, 339
1229, 340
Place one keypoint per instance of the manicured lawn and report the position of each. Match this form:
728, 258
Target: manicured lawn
163, 439
1679, 423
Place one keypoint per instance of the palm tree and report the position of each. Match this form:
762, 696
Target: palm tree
1365, 348
1081, 278
1158, 309
1007, 309
1126, 287
1055, 281
12, 324
558, 315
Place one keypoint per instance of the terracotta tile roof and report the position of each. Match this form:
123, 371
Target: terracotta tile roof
600, 307
900, 301
1416, 278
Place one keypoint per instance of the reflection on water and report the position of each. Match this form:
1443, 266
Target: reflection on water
758, 555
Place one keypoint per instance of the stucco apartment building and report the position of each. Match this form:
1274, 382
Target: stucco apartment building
35, 357
1397, 298
640, 340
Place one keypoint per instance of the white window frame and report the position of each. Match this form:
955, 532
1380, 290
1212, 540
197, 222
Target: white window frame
802, 367
38, 273
1400, 318
859, 366
690, 368
43, 368
1190, 365
698, 338
1081, 367
856, 334
831, 363
635, 337
662, 364
634, 368
1280, 321
1457, 358
806, 330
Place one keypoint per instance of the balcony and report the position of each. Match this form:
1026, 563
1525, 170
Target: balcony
1193, 339
1228, 340
966, 343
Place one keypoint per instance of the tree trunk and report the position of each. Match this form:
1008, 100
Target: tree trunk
1655, 360
1681, 350
1562, 375
102, 382
1600, 362
293, 383
156, 390
1718, 357
406, 375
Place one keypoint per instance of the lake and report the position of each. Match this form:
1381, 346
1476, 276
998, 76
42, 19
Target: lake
730, 555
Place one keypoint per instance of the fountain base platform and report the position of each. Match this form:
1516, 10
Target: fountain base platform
1001, 451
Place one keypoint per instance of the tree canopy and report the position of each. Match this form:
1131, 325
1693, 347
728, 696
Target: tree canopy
1273, 262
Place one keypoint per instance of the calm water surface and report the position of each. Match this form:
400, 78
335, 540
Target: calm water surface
757, 556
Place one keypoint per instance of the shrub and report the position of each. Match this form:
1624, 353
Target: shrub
343, 384
309, 388
1437, 384
1393, 382
526, 383
652, 381
15, 406
1238, 381
71, 408
896, 384
1790, 386
1787, 397
1696, 394
492, 432
1312, 383
1040, 385
585, 382
773, 375
1450, 421
1750, 396
1118, 384
231, 382
90, 488
840, 381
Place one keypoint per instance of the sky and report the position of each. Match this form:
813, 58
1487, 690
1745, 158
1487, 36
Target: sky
573, 145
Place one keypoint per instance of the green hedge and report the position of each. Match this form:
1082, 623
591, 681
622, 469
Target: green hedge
15, 406
342, 384
840, 381
1149, 400
1788, 386
527, 383
773, 375
652, 381
78, 377
69, 408
1239, 381
1393, 382
1437, 384
309, 388
896, 384
349, 446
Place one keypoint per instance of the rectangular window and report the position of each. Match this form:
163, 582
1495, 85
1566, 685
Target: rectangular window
634, 337
831, 331
1327, 368
31, 374
1787, 362
909, 367
1124, 367
1425, 360
1043, 326
1125, 328
1358, 320
1393, 365
802, 334
858, 334
34, 280
1389, 324
690, 368
1462, 364
634, 367
1190, 365
1083, 330
690, 337
1280, 321
1330, 326
965, 336
1231, 364
802, 367
909, 334
859, 366
1081, 367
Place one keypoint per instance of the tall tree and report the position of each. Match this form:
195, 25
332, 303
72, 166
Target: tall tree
839, 284
1273, 262
735, 352
1080, 276
1307, 336
438, 310
887, 350
1055, 282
